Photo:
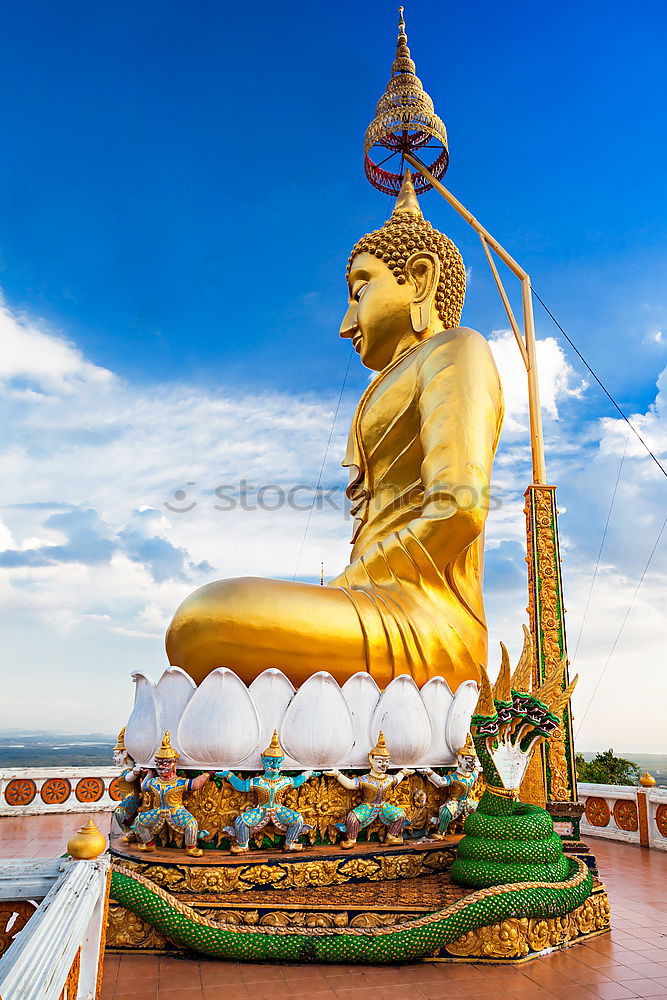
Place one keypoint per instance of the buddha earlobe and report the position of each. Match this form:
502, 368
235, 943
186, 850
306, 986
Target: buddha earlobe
423, 269
420, 315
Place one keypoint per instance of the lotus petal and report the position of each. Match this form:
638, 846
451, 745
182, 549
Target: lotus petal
438, 699
144, 730
317, 729
402, 717
362, 695
174, 690
460, 713
271, 693
220, 725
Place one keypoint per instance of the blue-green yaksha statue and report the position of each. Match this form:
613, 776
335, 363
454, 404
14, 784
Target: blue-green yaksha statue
269, 789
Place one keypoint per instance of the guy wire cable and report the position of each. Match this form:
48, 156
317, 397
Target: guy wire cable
326, 452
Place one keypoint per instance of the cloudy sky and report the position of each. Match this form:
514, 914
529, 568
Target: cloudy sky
178, 195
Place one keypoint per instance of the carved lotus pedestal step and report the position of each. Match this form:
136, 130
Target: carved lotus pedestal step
217, 873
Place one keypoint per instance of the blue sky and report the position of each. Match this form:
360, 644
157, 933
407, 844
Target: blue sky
180, 187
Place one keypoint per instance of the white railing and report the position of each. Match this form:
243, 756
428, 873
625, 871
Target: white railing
59, 952
625, 812
27, 791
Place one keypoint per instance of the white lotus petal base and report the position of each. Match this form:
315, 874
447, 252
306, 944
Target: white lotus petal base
225, 724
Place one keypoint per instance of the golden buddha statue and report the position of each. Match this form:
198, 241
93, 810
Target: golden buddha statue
420, 452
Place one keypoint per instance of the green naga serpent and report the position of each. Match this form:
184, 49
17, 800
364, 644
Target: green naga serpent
510, 855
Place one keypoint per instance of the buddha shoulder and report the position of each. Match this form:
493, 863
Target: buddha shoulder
462, 349
460, 344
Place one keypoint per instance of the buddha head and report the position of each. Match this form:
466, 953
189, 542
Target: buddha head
165, 759
406, 281
379, 757
273, 757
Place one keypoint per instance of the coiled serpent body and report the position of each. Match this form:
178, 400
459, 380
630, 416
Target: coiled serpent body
535, 886
508, 841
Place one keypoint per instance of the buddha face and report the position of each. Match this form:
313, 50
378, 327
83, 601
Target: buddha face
119, 757
380, 320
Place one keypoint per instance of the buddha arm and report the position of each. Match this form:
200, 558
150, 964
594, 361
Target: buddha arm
460, 411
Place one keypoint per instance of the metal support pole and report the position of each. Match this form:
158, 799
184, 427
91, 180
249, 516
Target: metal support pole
530, 359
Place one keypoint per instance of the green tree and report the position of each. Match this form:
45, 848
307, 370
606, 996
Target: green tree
606, 769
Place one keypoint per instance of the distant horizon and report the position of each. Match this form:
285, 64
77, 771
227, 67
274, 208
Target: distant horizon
13, 733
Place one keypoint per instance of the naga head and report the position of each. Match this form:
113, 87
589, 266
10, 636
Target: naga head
405, 282
510, 721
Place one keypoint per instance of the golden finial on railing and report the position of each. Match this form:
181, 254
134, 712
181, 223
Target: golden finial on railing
88, 843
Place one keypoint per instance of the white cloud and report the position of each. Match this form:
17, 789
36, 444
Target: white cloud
33, 359
558, 380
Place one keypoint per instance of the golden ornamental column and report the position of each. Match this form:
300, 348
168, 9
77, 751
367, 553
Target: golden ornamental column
552, 775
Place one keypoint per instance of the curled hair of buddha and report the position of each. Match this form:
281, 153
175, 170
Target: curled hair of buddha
406, 232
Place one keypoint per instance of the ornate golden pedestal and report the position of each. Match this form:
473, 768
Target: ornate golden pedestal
323, 886
520, 939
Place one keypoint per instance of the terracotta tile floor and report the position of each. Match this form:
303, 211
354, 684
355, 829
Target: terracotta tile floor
44, 836
629, 962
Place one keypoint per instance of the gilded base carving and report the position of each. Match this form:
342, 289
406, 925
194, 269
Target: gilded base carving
224, 874
521, 938
125, 930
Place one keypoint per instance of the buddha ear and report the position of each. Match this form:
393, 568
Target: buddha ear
423, 270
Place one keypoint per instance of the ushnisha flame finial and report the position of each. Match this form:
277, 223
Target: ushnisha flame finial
407, 198
404, 122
